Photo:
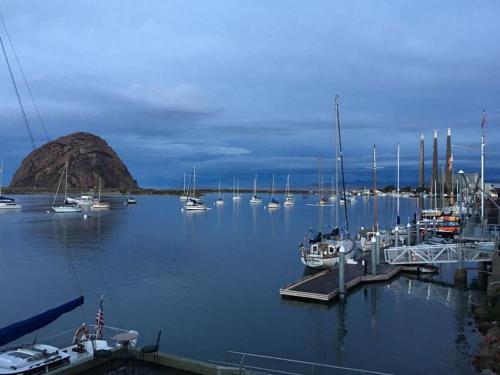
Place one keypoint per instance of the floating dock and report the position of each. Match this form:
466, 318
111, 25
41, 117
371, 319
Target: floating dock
324, 286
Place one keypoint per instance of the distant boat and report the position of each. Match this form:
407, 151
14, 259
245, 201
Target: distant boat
193, 203
131, 200
289, 199
273, 204
219, 201
66, 208
255, 199
184, 195
5, 202
98, 204
236, 190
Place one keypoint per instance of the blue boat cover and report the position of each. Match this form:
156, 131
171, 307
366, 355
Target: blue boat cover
19, 329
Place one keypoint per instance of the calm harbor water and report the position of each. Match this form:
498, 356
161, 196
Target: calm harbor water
210, 282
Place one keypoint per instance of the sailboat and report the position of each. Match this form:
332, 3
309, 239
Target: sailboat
289, 199
333, 195
193, 203
5, 202
66, 208
255, 199
322, 250
219, 201
98, 204
236, 190
273, 203
322, 201
184, 195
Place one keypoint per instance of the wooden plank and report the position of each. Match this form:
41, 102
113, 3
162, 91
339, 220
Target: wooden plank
323, 286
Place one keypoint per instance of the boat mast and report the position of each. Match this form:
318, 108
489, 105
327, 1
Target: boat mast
66, 184
272, 188
342, 167
483, 123
219, 189
375, 197
194, 182
184, 187
319, 181
398, 220
337, 161
238, 187
1, 178
234, 186
99, 189
255, 186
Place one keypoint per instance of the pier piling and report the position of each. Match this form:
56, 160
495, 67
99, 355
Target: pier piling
342, 272
408, 231
377, 247
426, 234
417, 233
374, 256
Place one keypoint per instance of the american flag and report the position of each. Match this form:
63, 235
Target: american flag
99, 322
450, 163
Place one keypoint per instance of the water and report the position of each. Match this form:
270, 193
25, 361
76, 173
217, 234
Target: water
210, 281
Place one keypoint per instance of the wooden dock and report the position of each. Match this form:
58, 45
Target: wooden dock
324, 286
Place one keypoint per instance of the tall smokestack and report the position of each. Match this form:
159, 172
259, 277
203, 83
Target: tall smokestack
421, 176
434, 177
448, 166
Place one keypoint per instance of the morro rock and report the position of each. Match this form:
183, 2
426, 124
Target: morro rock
89, 158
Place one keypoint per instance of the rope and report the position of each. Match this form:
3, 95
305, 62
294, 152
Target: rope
24, 78
18, 96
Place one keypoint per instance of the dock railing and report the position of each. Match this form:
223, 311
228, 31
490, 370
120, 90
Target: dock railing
248, 363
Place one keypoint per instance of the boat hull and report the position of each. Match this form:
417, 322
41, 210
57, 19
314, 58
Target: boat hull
66, 210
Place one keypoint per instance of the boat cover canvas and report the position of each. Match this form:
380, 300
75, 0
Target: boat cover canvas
19, 329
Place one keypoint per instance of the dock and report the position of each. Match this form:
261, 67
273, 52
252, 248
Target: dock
324, 286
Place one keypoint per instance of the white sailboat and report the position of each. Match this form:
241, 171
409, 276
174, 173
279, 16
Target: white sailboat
273, 203
193, 203
255, 199
219, 201
289, 198
66, 208
5, 202
236, 190
98, 204
184, 195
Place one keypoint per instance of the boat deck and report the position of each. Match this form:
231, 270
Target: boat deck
324, 286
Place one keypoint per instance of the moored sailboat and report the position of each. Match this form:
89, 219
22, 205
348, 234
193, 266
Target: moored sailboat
6, 203
273, 203
194, 203
97, 203
255, 199
289, 198
67, 207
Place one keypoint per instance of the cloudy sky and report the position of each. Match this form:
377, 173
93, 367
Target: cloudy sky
244, 87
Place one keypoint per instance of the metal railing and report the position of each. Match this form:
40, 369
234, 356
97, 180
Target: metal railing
268, 365
441, 253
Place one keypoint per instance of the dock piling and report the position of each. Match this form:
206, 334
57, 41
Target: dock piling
408, 232
377, 244
342, 272
426, 226
374, 255
417, 233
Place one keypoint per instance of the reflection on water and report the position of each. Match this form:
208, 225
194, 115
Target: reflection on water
210, 281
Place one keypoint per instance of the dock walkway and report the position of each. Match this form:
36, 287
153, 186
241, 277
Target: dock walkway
324, 285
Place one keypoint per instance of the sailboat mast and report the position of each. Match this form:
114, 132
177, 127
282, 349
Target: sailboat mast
194, 182
272, 188
184, 187
66, 184
319, 181
342, 166
255, 185
219, 189
397, 192
1, 178
234, 186
375, 195
99, 189
337, 160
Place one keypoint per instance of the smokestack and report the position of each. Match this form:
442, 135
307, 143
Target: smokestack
434, 177
421, 179
448, 166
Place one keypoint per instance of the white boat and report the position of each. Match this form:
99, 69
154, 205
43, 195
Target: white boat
66, 208
289, 198
219, 201
97, 204
184, 195
255, 199
323, 251
273, 203
85, 200
131, 200
236, 190
7, 203
37, 358
193, 203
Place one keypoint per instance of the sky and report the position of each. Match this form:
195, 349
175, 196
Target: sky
242, 88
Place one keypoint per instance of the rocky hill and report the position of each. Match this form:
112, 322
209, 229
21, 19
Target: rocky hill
89, 157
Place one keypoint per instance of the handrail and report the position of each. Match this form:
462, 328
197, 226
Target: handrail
313, 364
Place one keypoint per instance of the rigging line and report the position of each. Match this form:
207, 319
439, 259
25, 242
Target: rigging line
24, 78
18, 96
342, 166
72, 268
